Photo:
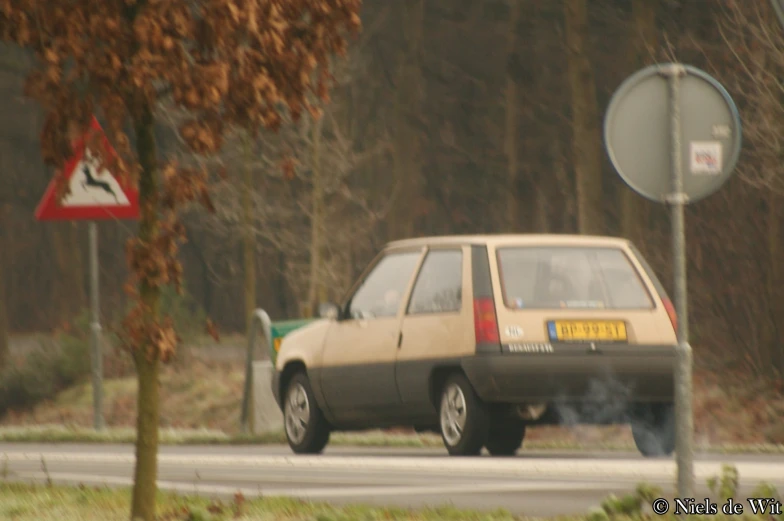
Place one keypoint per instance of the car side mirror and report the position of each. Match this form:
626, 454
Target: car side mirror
329, 310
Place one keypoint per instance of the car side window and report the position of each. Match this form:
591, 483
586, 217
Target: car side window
381, 293
439, 286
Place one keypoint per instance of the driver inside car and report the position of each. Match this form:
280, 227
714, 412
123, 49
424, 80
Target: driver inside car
388, 305
391, 302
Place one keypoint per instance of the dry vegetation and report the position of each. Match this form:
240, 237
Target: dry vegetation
448, 117
203, 390
22, 502
31, 503
429, 127
201, 394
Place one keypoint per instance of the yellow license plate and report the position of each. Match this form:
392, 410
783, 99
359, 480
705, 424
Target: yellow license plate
587, 330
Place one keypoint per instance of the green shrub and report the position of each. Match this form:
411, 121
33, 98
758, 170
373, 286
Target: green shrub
189, 319
74, 356
722, 487
627, 505
726, 485
188, 316
199, 514
47, 370
597, 514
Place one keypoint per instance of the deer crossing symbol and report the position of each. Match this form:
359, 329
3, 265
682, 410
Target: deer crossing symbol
92, 181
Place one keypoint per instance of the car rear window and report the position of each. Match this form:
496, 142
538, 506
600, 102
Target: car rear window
658, 286
570, 277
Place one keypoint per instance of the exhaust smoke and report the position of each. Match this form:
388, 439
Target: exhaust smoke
605, 401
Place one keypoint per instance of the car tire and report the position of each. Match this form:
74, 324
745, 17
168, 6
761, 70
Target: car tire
307, 431
653, 429
462, 418
504, 439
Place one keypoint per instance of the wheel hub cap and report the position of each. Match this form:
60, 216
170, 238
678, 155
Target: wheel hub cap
297, 413
453, 414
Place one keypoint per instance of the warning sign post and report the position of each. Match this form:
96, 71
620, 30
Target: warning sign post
94, 194
651, 118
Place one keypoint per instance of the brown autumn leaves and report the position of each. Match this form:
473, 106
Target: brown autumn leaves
230, 63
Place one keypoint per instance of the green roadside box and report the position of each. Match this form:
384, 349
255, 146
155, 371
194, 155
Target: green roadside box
283, 328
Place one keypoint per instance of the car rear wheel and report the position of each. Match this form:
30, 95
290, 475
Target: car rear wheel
504, 439
653, 429
307, 431
463, 418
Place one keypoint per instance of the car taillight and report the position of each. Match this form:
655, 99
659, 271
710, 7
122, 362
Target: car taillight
671, 312
485, 322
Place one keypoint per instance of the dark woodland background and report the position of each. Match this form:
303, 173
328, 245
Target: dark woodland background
451, 116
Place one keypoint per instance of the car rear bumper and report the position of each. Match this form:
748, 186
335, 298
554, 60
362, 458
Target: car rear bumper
546, 373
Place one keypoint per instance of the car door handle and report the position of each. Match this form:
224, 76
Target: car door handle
400, 340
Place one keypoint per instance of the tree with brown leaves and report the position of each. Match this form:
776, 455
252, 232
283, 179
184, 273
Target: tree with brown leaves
230, 63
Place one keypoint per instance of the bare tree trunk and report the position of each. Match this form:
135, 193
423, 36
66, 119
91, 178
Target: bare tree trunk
316, 222
5, 352
774, 347
4, 349
511, 144
586, 138
348, 276
281, 284
248, 239
542, 221
567, 209
547, 190
634, 209
402, 217
147, 368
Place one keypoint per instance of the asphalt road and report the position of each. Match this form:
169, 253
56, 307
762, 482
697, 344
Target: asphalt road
534, 483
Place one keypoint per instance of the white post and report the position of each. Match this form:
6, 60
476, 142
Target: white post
95, 331
684, 422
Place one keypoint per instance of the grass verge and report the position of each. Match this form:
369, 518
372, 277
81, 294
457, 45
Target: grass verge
65, 434
731, 414
27, 502
23, 502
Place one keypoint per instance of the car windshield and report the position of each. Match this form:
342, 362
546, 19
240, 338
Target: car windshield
570, 277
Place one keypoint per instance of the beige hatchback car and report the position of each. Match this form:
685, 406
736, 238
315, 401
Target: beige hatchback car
478, 337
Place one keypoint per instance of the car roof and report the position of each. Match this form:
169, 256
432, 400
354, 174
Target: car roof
523, 239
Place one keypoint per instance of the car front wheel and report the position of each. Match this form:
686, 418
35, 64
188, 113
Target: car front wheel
463, 418
306, 428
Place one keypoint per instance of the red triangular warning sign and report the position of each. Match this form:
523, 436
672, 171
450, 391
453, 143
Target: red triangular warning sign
93, 195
